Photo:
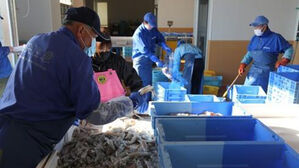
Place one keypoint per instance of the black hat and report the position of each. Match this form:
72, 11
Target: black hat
106, 38
87, 16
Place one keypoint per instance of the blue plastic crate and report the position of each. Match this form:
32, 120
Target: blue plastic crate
168, 109
227, 155
202, 98
229, 93
248, 94
288, 68
214, 129
127, 51
283, 87
158, 76
164, 93
213, 80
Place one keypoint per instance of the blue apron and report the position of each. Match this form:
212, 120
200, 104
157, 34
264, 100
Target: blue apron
25, 143
143, 67
264, 63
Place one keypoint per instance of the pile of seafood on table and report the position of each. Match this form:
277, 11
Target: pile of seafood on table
125, 143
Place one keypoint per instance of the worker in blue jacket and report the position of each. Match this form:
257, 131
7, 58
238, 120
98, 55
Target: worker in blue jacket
51, 85
145, 39
5, 66
193, 67
263, 51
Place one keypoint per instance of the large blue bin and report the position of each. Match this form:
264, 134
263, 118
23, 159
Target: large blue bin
168, 109
227, 155
214, 129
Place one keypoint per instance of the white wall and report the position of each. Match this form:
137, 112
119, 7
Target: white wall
6, 31
5, 37
39, 16
229, 19
179, 11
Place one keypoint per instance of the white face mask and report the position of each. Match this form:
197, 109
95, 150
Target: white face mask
148, 27
258, 32
90, 51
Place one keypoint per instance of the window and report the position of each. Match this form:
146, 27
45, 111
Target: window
102, 10
63, 9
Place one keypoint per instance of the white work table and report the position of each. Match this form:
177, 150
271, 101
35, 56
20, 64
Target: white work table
287, 128
283, 119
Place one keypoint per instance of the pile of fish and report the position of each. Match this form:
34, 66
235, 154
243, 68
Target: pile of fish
124, 147
206, 113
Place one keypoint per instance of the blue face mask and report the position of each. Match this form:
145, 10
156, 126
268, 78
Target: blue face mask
92, 49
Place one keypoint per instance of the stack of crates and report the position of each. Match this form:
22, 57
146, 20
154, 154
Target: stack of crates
165, 93
248, 94
283, 87
127, 52
221, 142
211, 83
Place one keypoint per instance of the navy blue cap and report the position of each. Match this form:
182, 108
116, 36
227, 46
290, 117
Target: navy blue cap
259, 20
86, 16
106, 38
151, 19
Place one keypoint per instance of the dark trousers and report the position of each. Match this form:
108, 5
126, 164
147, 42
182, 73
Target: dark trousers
197, 75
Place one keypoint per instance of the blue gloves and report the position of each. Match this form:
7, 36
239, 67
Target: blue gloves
137, 99
142, 109
166, 48
156, 60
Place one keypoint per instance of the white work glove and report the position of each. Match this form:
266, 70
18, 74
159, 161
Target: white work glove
166, 73
18, 49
